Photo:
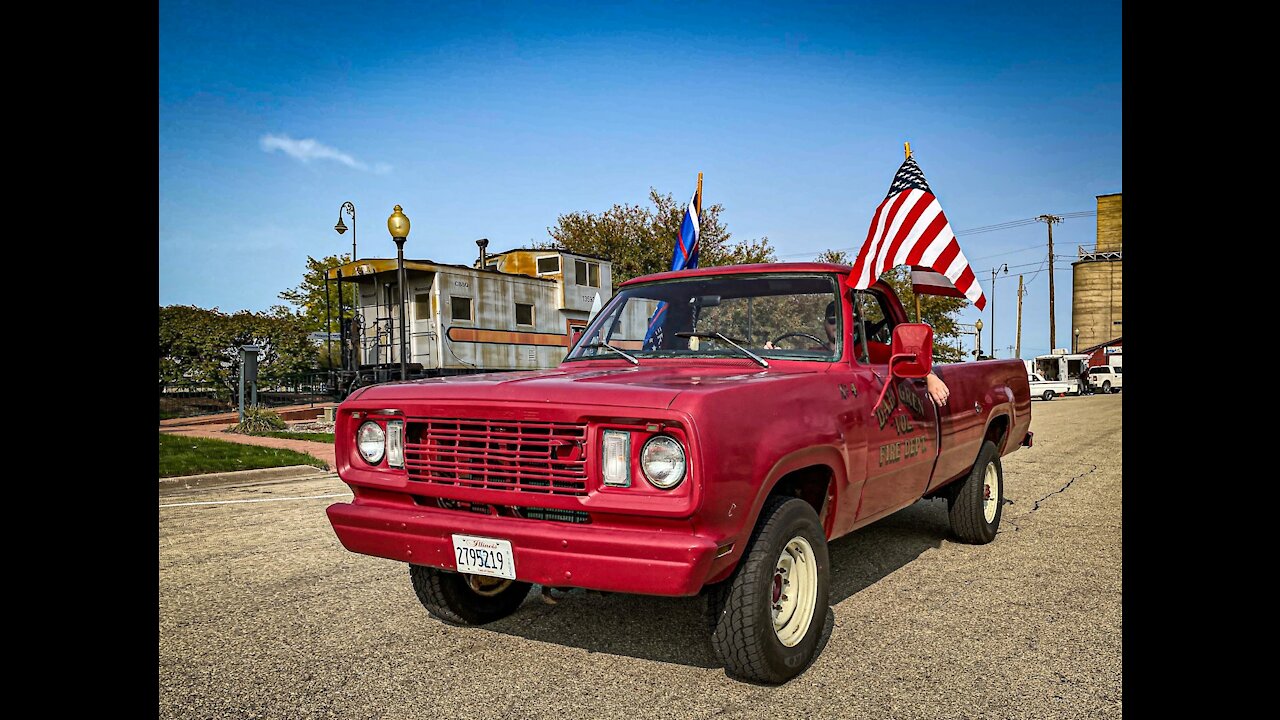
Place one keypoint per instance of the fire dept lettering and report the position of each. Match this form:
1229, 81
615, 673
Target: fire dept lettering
902, 424
895, 451
890, 453
907, 448
907, 394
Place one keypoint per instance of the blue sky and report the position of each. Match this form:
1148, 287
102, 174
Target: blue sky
490, 120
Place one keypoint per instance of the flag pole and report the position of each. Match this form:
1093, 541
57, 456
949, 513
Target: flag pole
699, 203
906, 147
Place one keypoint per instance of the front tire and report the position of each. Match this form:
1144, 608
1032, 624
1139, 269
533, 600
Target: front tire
462, 599
976, 505
768, 616
1048, 395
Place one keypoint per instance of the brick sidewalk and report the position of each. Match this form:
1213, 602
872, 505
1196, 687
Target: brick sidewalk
323, 451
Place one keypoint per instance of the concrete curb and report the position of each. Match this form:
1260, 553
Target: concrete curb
238, 477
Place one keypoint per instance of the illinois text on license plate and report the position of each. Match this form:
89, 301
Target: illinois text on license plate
484, 556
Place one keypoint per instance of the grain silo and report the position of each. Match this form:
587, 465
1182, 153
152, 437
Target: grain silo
1097, 278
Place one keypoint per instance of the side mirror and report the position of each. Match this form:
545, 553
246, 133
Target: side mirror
911, 354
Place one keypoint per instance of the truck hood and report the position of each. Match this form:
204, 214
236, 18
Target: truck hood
646, 386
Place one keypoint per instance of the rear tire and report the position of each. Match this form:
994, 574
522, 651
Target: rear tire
462, 599
768, 615
1106, 387
1048, 395
977, 503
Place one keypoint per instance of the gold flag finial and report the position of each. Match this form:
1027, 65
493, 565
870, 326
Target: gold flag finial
907, 146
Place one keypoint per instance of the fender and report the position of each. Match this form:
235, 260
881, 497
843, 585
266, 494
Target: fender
1006, 407
824, 455
1001, 410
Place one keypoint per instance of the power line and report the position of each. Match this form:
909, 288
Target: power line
993, 228
1011, 252
971, 231
1038, 270
1019, 223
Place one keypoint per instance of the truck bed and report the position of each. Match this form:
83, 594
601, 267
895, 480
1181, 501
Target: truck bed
979, 391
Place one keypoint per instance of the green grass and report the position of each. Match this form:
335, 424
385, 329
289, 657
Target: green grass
180, 455
313, 437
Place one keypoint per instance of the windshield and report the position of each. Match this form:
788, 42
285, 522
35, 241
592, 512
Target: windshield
792, 316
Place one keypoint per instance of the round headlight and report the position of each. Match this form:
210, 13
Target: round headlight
662, 461
372, 440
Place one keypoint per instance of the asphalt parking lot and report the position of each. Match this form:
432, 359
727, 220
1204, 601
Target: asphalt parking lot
263, 614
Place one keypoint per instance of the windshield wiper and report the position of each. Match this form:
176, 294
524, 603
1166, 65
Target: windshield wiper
607, 346
718, 336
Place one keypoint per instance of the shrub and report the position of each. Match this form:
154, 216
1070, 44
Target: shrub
258, 419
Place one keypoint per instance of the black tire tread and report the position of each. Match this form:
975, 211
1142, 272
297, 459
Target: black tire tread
735, 636
965, 508
444, 594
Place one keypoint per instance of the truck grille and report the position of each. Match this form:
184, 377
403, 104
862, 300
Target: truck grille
539, 457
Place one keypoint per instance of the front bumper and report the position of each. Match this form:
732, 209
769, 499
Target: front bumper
648, 561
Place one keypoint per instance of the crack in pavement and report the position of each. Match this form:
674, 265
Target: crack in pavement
1063, 488
1014, 521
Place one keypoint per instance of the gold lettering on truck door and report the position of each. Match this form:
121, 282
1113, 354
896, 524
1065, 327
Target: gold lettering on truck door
884, 410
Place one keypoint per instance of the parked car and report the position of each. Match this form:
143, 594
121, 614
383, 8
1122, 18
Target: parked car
1106, 378
1049, 389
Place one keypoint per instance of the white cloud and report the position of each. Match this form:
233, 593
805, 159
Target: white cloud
310, 149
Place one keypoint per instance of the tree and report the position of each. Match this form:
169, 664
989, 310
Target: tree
308, 298
203, 346
639, 239
938, 311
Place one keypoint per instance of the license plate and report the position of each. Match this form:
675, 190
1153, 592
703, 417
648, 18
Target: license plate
484, 556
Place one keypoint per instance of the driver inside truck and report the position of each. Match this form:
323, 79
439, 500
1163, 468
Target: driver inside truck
937, 389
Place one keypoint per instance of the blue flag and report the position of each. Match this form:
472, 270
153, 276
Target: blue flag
683, 257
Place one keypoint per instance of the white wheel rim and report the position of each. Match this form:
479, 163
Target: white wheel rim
990, 493
794, 591
486, 586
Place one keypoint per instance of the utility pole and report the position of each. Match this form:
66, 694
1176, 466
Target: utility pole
1019, 352
1050, 220
993, 306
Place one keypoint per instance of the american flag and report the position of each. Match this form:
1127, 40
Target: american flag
909, 228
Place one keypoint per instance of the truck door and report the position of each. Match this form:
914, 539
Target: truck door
901, 432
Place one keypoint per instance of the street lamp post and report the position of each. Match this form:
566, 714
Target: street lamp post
978, 326
342, 228
1005, 267
398, 226
351, 210
1075, 348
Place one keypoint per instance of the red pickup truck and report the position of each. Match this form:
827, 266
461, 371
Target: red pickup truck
709, 433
